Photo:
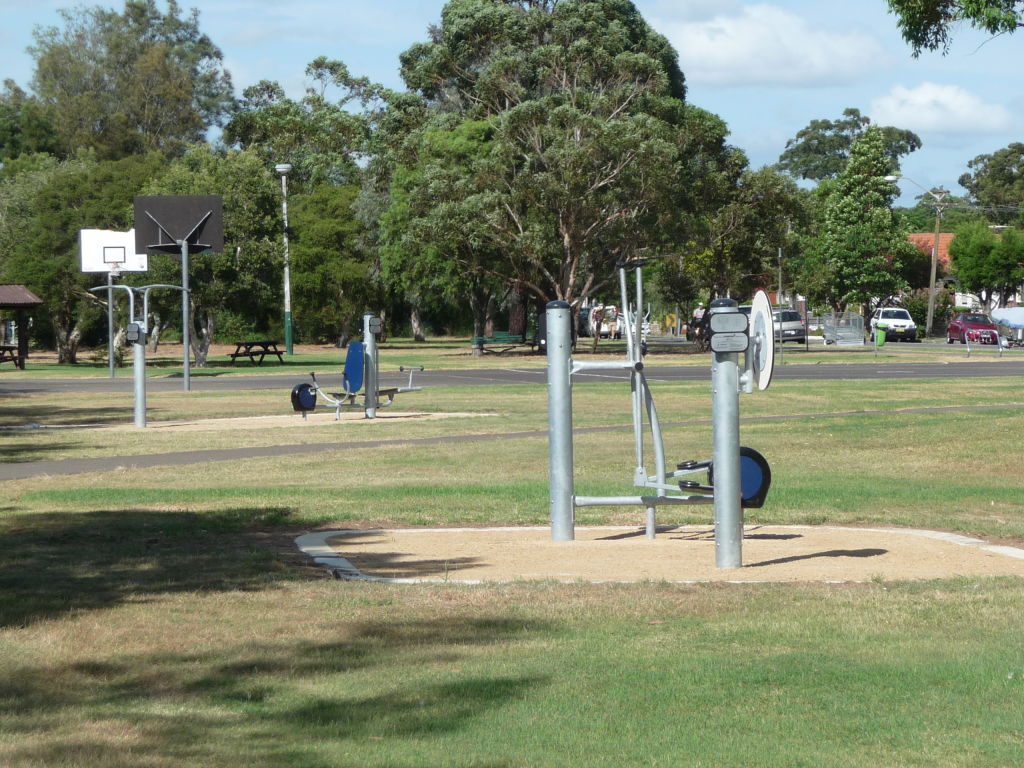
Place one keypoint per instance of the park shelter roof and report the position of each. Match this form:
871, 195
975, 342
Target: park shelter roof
13, 296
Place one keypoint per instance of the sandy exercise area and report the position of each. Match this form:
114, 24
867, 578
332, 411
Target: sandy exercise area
682, 554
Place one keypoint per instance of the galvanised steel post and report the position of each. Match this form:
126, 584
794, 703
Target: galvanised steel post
561, 492
186, 315
371, 327
725, 444
110, 324
139, 376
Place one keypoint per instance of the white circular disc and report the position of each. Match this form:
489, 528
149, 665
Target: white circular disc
762, 334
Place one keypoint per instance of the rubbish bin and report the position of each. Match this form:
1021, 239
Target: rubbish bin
880, 330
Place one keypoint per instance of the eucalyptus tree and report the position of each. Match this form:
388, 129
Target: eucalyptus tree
591, 154
26, 125
996, 184
928, 25
323, 135
737, 249
330, 268
42, 210
430, 249
130, 82
822, 149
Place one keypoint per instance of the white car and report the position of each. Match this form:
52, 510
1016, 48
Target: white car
898, 324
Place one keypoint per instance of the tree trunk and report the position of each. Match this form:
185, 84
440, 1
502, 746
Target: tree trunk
67, 344
417, 324
200, 342
119, 343
517, 312
159, 325
479, 300
491, 309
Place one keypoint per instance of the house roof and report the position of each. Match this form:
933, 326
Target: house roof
13, 296
925, 241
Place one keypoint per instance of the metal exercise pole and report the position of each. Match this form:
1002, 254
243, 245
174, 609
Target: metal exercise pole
370, 330
559, 320
139, 376
635, 390
186, 315
139, 357
725, 439
639, 393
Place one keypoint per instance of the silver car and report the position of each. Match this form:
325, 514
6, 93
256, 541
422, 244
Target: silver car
789, 326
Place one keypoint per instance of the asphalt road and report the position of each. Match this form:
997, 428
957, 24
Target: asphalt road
23, 384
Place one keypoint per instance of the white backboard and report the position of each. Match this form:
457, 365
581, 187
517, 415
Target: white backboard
103, 250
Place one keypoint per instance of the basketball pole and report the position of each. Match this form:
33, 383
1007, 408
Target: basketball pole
186, 315
110, 323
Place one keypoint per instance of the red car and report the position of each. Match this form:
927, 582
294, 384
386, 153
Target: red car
972, 326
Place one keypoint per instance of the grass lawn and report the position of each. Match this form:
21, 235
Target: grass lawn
163, 617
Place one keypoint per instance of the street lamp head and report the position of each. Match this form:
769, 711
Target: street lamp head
283, 169
891, 177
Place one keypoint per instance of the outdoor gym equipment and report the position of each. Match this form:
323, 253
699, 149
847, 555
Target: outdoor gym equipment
135, 332
737, 477
360, 368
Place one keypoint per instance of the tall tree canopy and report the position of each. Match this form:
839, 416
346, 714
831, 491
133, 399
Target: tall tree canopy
988, 264
822, 149
131, 82
590, 153
41, 211
996, 183
860, 253
26, 125
735, 249
322, 139
928, 25
330, 269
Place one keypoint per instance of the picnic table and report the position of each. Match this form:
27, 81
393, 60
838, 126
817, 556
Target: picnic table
255, 350
10, 352
501, 342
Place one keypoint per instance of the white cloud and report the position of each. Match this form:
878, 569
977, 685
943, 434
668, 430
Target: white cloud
692, 10
766, 45
945, 109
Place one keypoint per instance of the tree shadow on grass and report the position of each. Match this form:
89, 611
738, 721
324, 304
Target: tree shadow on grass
24, 415
54, 563
20, 453
287, 703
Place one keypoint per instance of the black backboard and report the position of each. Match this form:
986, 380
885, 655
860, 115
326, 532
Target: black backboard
163, 220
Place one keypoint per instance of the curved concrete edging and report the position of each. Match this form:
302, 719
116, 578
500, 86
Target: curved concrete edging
316, 546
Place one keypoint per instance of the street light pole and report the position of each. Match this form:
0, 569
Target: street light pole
938, 195
284, 169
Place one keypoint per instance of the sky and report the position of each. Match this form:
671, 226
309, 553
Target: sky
767, 68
